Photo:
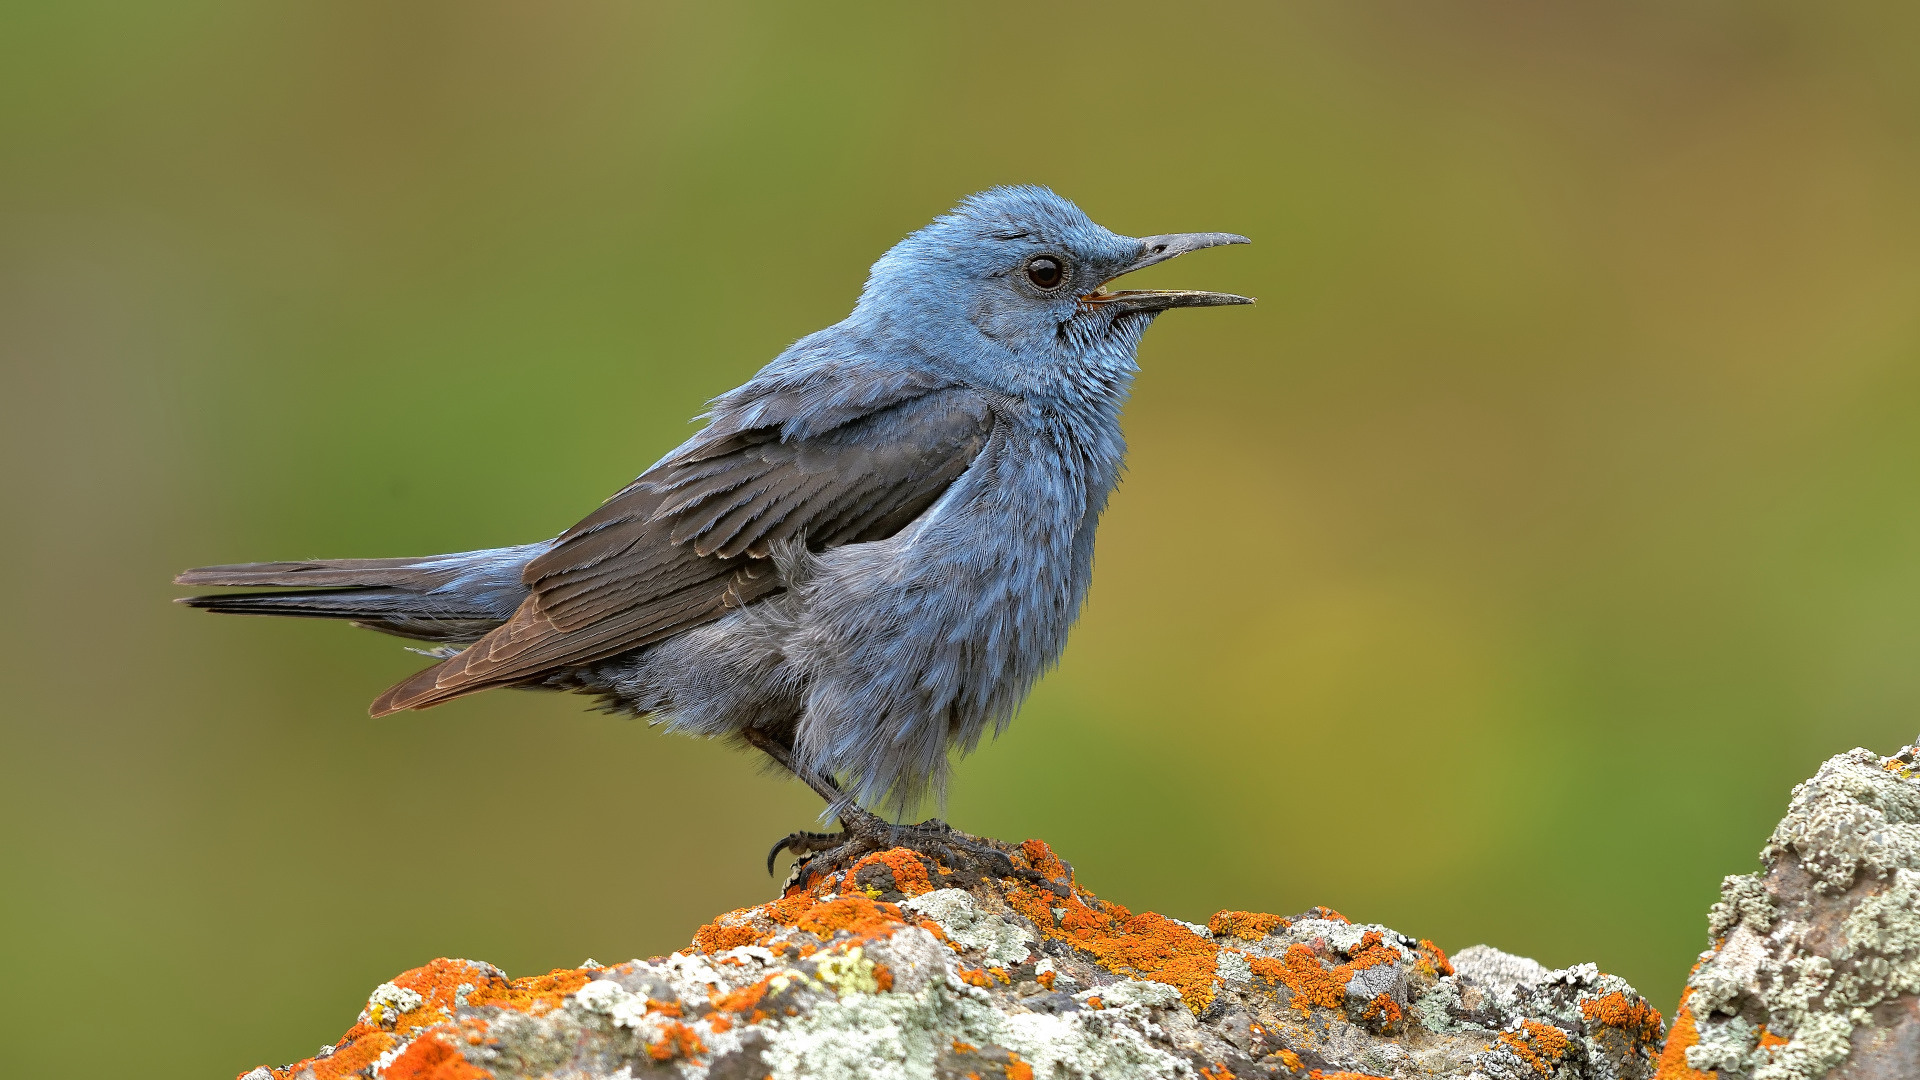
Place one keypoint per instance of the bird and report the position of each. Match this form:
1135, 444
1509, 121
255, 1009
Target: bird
863, 560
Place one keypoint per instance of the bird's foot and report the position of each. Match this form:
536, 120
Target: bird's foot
803, 845
965, 858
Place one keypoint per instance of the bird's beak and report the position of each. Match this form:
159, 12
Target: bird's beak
1158, 249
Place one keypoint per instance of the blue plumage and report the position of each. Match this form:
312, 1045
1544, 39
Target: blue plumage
869, 553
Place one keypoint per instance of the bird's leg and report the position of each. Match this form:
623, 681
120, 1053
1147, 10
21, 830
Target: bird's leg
804, 843
781, 751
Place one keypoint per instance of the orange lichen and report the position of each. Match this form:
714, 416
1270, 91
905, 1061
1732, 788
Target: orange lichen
431, 1058
1539, 1045
745, 999
1384, 1008
1314, 982
678, 1040
1434, 956
1046, 979
909, 873
975, 977
1017, 1069
717, 937
1768, 1040
1638, 1019
719, 1024
355, 1056
882, 977
1673, 1057
1147, 945
858, 915
1218, 1072
1321, 911
963, 1048
534, 994
441, 985
1245, 925
1096, 1003
1290, 1059
1300, 971
1321, 1074
1040, 858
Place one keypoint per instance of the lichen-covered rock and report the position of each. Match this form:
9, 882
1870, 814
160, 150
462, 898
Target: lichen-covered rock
905, 967
1815, 964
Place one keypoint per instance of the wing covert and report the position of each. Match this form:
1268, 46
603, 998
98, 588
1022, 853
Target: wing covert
691, 538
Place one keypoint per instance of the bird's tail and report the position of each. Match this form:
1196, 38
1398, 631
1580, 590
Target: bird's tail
446, 598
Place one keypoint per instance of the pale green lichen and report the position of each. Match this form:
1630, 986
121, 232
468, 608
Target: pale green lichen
1857, 820
1132, 992
847, 973
1233, 968
1743, 898
1854, 817
1000, 941
1435, 1009
1883, 935
863, 1037
900, 1037
1729, 1046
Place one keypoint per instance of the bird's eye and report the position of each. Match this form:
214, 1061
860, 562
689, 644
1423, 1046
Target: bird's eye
1046, 272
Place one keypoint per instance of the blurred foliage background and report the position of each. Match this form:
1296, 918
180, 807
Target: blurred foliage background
1494, 578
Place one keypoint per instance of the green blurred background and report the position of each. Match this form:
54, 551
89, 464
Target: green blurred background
1568, 461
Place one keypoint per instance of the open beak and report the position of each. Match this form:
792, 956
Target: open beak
1158, 249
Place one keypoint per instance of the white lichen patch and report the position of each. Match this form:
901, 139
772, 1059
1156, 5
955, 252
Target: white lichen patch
622, 1009
1232, 968
864, 1037
1000, 941
388, 1003
1502, 975
1088, 1044
1132, 992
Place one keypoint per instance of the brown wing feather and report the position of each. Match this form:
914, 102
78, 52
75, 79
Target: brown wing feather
690, 540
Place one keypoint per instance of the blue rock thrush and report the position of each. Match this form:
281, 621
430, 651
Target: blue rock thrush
866, 557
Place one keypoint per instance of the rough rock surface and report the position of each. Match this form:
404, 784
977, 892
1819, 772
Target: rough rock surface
902, 967
1815, 964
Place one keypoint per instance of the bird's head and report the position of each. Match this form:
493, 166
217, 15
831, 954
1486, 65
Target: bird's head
1028, 271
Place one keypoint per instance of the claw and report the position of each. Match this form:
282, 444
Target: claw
803, 844
863, 833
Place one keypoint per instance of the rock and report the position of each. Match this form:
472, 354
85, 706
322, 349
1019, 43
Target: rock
903, 967
1815, 963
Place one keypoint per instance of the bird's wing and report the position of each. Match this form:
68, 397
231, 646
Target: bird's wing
691, 539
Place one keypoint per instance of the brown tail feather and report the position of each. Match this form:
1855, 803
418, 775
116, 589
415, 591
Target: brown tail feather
423, 690
318, 573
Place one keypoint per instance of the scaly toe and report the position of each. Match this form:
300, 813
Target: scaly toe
803, 844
